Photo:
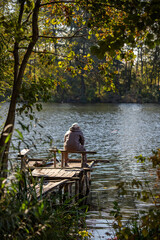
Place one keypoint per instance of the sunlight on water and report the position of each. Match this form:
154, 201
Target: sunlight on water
118, 132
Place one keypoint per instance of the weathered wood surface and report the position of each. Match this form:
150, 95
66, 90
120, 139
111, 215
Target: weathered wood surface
64, 151
90, 160
56, 175
73, 163
49, 186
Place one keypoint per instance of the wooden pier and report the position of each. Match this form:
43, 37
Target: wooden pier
72, 180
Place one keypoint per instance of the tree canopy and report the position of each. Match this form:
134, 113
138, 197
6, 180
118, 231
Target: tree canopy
42, 33
124, 22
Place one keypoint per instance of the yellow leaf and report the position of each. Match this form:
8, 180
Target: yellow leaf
86, 67
144, 232
119, 223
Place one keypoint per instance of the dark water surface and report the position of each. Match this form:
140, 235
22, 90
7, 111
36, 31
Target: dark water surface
118, 132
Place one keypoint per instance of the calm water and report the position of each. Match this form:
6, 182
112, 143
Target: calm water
118, 132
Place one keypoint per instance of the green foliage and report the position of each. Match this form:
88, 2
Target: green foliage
144, 225
123, 22
5, 67
140, 227
23, 215
40, 59
56, 59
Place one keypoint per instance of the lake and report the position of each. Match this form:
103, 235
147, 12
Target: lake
118, 132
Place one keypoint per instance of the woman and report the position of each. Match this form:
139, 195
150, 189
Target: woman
74, 141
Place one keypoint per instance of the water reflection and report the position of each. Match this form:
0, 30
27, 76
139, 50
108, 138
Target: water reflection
118, 132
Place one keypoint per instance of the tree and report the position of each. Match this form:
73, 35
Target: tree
26, 24
124, 22
19, 67
18, 20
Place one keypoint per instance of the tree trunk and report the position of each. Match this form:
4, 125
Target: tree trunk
7, 132
142, 64
83, 87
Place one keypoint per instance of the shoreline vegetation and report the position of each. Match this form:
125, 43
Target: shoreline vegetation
109, 97
112, 98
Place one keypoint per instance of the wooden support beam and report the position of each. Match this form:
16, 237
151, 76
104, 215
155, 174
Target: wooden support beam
54, 178
88, 169
55, 159
64, 151
67, 169
77, 189
62, 160
89, 160
70, 181
38, 159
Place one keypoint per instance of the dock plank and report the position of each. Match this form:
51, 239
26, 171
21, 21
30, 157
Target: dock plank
59, 176
61, 173
55, 173
50, 186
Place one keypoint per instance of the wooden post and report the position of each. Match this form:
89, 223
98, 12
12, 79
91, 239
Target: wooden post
60, 194
66, 158
23, 163
62, 160
55, 159
65, 191
83, 160
89, 177
87, 182
76, 190
23, 155
81, 184
70, 190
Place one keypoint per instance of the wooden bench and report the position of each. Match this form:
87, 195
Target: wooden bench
64, 156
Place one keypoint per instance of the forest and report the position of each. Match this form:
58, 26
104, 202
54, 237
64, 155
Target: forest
67, 59
72, 51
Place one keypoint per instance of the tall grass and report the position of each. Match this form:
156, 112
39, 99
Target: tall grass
25, 216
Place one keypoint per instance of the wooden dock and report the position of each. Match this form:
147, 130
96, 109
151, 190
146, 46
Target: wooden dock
72, 180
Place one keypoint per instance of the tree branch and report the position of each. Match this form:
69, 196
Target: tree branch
51, 53
44, 4
68, 37
35, 34
16, 44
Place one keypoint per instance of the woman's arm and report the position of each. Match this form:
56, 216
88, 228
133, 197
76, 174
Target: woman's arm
81, 139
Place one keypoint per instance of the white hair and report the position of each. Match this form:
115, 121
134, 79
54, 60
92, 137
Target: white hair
75, 125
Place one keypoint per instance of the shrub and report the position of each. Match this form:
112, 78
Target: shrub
24, 216
145, 225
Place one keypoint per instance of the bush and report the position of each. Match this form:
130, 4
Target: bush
145, 225
24, 216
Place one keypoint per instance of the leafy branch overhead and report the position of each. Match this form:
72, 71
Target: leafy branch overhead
124, 22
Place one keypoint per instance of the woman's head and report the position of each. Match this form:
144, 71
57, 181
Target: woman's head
75, 125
